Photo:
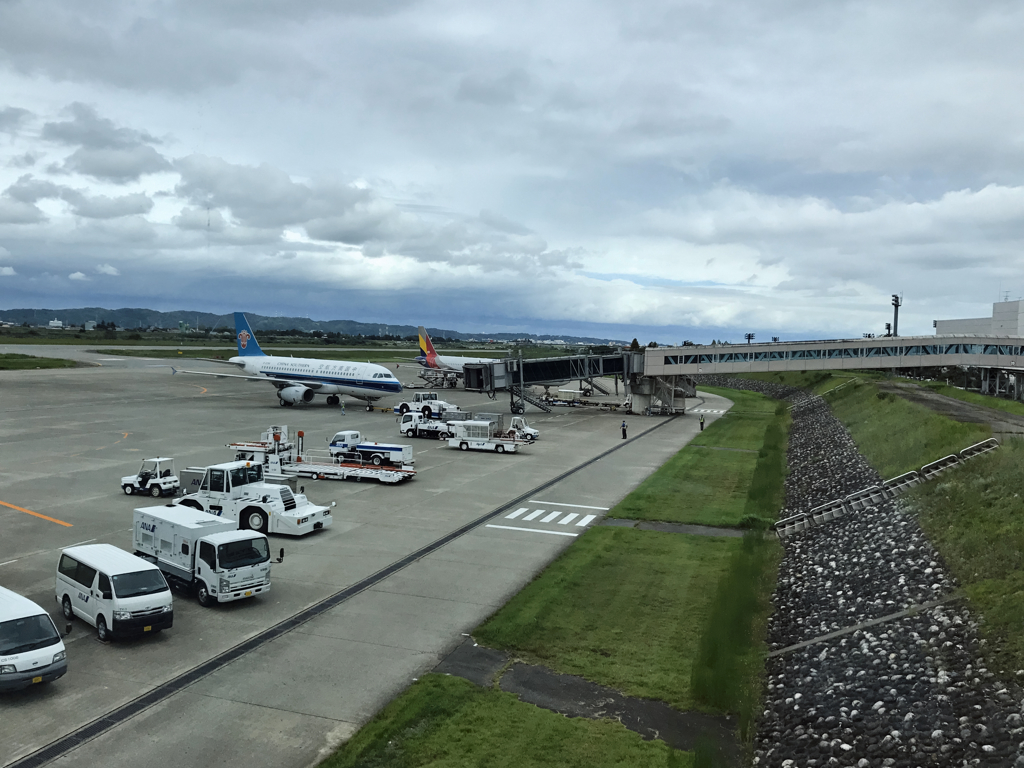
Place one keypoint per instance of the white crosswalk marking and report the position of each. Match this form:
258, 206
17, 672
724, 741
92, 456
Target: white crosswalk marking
550, 517
568, 518
585, 521
534, 515
516, 514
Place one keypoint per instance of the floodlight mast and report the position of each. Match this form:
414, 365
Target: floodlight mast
897, 302
749, 337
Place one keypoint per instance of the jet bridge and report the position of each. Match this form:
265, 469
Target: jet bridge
514, 374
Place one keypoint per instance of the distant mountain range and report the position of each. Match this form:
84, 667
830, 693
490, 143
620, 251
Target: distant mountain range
147, 318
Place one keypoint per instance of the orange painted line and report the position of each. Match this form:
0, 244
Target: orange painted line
36, 514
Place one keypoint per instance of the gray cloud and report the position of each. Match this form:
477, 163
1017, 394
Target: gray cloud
11, 119
103, 207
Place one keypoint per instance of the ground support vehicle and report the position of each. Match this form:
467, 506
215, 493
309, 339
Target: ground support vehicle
31, 649
414, 424
521, 429
349, 446
237, 490
156, 477
426, 403
203, 554
285, 465
118, 593
482, 436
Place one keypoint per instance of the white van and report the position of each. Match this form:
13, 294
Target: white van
115, 591
31, 650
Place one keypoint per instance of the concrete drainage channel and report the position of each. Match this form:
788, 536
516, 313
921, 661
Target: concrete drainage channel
125, 712
892, 686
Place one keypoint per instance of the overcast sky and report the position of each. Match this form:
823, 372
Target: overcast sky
666, 170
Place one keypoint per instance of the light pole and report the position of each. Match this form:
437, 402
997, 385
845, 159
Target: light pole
897, 302
749, 337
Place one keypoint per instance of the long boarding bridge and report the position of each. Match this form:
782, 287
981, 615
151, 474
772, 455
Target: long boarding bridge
663, 393
998, 357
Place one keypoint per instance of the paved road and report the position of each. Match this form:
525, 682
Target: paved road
68, 435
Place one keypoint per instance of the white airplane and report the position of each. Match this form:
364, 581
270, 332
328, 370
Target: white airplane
299, 379
428, 358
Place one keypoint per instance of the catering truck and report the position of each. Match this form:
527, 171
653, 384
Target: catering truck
237, 490
348, 445
203, 554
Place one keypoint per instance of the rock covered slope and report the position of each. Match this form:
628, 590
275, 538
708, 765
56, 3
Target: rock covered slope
912, 691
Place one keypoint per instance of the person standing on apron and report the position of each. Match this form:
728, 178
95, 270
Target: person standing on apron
702, 422
623, 429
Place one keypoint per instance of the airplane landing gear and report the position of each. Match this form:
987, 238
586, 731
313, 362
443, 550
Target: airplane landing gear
369, 407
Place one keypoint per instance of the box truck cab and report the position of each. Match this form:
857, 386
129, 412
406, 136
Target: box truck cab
113, 590
203, 554
31, 650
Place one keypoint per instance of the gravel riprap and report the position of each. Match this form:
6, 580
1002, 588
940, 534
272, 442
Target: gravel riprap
908, 692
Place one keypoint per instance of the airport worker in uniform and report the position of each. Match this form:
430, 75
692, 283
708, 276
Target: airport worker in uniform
702, 422
623, 429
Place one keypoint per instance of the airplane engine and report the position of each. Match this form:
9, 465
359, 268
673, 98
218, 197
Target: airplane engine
295, 394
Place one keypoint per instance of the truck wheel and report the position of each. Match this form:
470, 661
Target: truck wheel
255, 519
425, 410
191, 503
403, 409
499, 449
376, 460
102, 633
66, 609
463, 446
128, 490
203, 595
444, 436
155, 492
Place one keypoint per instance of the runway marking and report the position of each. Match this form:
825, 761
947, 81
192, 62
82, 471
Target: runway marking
36, 514
516, 514
534, 515
560, 504
568, 518
551, 517
585, 521
531, 530
87, 541
9, 562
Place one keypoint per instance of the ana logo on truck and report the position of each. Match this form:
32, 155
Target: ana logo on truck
151, 527
243, 338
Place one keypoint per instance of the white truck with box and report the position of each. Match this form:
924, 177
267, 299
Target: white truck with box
236, 490
203, 554
481, 435
348, 445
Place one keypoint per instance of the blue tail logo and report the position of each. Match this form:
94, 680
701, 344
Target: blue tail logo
247, 344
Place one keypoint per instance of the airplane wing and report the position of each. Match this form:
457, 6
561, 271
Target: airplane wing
279, 383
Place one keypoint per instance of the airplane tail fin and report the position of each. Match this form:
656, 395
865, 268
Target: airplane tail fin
426, 348
247, 344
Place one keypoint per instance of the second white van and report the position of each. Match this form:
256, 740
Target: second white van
31, 650
118, 593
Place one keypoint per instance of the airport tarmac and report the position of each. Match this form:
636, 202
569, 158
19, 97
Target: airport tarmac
69, 435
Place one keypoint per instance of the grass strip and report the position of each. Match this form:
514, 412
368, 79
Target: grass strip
896, 435
621, 607
16, 362
975, 517
449, 721
727, 672
721, 488
975, 398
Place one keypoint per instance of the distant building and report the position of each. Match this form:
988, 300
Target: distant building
90, 325
55, 324
1007, 320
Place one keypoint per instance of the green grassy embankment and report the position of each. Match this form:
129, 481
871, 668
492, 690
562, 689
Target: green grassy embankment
974, 515
447, 721
704, 484
14, 362
667, 616
975, 398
